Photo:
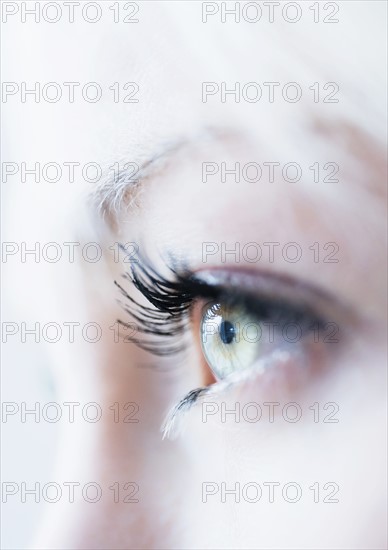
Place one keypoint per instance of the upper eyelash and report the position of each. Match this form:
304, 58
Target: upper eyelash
172, 300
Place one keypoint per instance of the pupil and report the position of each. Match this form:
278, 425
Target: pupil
227, 332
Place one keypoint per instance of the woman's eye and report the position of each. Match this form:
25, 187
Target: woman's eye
240, 323
235, 334
230, 338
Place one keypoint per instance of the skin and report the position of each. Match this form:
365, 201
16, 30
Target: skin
173, 211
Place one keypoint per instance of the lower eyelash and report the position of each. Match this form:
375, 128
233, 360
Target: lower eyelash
169, 426
173, 422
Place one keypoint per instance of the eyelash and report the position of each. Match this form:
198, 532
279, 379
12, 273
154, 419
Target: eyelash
170, 317
172, 300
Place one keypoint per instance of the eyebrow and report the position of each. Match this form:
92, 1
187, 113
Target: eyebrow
108, 197
122, 188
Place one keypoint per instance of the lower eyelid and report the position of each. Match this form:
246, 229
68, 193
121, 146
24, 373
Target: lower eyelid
286, 373
275, 382
283, 375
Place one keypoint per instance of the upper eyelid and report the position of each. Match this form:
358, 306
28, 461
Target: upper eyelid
252, 287
275, 287
174, 298
272, 284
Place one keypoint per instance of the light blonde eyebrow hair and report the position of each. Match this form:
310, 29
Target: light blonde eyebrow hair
123, 188
114, 191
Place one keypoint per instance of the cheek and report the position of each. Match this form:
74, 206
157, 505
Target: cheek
231, 451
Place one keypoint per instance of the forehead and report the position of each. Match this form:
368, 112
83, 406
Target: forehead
171, 51
171, 58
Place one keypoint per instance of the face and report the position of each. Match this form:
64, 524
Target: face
232, 253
